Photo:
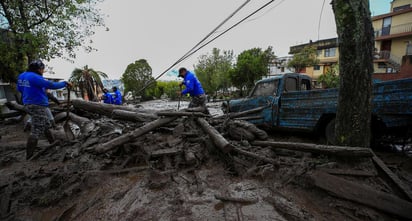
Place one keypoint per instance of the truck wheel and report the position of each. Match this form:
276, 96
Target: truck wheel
330, 132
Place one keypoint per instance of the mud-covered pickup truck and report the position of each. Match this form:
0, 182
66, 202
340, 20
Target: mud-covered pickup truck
288, 102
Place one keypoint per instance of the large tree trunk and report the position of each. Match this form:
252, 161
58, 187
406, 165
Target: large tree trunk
107, 109
356, 43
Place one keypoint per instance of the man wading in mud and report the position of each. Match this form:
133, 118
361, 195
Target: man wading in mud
33, 86
194, 88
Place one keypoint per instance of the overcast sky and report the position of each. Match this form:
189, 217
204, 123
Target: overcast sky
163, 31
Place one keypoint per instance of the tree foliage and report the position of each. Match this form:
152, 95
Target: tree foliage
304, 58
213, 70
330, 79
251, 65
88, 81
43, 29
136, 76
167, 88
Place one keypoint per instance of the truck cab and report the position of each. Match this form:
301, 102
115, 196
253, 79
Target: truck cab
267, 94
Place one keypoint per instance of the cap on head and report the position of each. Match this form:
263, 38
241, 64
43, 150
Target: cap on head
181, 72
36, 65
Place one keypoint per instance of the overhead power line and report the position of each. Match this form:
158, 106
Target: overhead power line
194, 47
193, 50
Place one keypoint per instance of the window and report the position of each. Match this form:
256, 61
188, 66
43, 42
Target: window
316, 67
266, 88
318, 53
290, 84
381, 65
330, 52
386, 26
305, 85
399, 8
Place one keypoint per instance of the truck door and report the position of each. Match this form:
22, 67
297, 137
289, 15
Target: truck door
263, 95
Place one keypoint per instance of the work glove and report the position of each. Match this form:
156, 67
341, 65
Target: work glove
68, 84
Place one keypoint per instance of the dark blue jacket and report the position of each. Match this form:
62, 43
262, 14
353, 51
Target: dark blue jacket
193, 86
33, 87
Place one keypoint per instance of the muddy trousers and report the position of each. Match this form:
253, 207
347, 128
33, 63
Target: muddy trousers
40, 126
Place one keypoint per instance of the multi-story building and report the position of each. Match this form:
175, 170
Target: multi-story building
327, 54
393, 45
280, 65
393, 42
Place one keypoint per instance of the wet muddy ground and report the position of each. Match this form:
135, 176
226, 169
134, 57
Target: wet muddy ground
176, 173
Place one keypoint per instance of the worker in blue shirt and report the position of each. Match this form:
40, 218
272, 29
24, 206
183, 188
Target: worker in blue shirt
117, 100
194, 89
33, 86
107, 97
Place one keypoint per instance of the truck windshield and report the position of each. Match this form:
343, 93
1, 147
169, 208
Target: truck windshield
266, 89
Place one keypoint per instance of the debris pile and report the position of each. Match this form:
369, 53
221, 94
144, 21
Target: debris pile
128, 163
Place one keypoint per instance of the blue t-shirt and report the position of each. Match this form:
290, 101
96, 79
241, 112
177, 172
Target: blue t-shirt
33, 87
193, 86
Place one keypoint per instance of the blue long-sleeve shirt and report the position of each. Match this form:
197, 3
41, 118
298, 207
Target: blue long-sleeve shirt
108, 98
33, 87
193, 86
117, 97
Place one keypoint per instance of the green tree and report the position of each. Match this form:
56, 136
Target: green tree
213, 70
88, 81
251, 65
356, 37
168, 88
136, 76
304, 58
43, 30
330, 79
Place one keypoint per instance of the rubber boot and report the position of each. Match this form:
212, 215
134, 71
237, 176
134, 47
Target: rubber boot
30, 146
27, 127
49, 136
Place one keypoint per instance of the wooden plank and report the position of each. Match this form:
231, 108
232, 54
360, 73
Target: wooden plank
362, 194
393, 177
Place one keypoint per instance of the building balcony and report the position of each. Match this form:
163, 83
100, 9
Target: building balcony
394, 31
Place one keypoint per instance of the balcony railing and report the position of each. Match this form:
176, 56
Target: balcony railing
391, 30
389, 58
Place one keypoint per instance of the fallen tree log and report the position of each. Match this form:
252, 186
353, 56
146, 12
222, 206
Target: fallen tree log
362, 194
85, 124
106, 109
15, 106
319, 149
132, 116
256, 156
241, 114
216, 137
181, 114
133, 134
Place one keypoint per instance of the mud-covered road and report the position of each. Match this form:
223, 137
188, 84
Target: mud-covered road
176, 172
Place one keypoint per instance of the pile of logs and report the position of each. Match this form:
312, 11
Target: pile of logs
194, 134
